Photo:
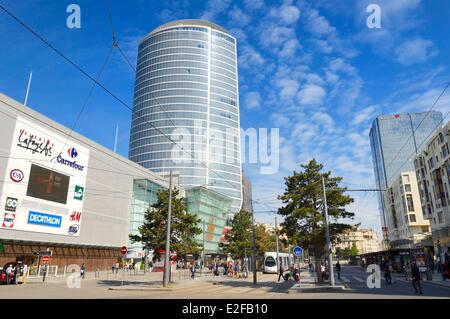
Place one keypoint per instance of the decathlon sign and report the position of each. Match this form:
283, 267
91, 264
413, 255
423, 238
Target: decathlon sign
42, 219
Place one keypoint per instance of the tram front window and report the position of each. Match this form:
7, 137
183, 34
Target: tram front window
270, 262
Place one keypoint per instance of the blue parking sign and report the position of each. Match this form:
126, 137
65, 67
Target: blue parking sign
298, 251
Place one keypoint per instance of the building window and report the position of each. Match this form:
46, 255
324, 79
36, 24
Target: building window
412, 218
407, 188
409, 201
440, 218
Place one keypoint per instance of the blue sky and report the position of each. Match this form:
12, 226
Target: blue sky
311, 68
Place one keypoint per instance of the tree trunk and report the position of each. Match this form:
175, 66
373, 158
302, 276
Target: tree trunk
318, 264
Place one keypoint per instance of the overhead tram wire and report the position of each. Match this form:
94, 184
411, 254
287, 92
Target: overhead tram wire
86, 100
121, 102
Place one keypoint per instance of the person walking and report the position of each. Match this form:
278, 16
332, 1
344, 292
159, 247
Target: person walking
193, 270
83, 270
338, 268
280, 273
416, 280
24, 273
387, 273
407, 271
9, 272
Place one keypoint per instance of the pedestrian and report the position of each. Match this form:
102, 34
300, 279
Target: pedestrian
83, 270
416, 280
310, 265
9, 272
338, 268
446, 270
117, 267
407, 270
387, 273
296, 275
280, 273
150, 266
24, 273
193, 270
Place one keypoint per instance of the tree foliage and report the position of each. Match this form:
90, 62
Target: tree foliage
240, 234
303, 210
354, 250
183, 228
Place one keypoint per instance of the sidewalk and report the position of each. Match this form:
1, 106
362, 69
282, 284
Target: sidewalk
309, 283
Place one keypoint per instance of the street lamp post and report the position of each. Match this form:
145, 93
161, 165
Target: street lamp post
330, 259
167, 255
254, 249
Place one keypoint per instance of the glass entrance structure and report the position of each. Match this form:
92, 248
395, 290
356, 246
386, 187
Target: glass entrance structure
212, 209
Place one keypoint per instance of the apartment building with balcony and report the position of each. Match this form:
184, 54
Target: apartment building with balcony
406, 224
432, 167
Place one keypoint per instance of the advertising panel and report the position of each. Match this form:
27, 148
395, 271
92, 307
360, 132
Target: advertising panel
44, 182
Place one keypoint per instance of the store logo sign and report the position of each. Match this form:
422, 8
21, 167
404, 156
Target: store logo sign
79, 192
34, 143
72, 152
16, 175
42, 219
73, 229
11, 204
8, 220
75, 216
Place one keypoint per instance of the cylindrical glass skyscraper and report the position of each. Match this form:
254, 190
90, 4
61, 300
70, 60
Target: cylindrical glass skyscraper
186, 106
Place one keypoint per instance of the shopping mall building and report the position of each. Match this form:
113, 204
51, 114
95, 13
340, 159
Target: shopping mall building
64, 193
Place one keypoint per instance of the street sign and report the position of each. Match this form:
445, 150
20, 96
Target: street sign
42, 253
298, 251
123, 250
46, 259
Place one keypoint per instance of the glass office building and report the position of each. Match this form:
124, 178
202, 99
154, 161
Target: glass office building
186, 107
394, 140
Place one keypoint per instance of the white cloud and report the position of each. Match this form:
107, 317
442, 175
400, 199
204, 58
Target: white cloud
364, 115
325, 120
288, 87
288, 14
318, 24
252, 100
415, 51
214, 8
279, 119
311, 95
238, 17
249, 57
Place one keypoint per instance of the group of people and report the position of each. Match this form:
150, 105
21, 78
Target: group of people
291, 273
230, 269
13, 272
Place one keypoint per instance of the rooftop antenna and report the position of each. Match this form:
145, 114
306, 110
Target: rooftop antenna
115, 140
28, 88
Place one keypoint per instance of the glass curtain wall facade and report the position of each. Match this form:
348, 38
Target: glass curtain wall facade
212, 209
144, 195
394, 139
186, 91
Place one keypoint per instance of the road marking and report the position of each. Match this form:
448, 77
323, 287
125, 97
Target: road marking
345, 279
358, 279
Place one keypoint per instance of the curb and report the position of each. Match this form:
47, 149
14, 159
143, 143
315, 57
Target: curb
318, 289
140, 289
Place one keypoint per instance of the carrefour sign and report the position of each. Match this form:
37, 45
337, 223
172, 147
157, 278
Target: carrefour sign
42, 219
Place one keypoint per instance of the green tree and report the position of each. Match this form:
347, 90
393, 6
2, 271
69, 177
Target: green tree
354, 250
303, 210
240, 234
265, 241
183, 227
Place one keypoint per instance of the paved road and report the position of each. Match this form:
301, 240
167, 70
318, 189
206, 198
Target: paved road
355, 277
222, 288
